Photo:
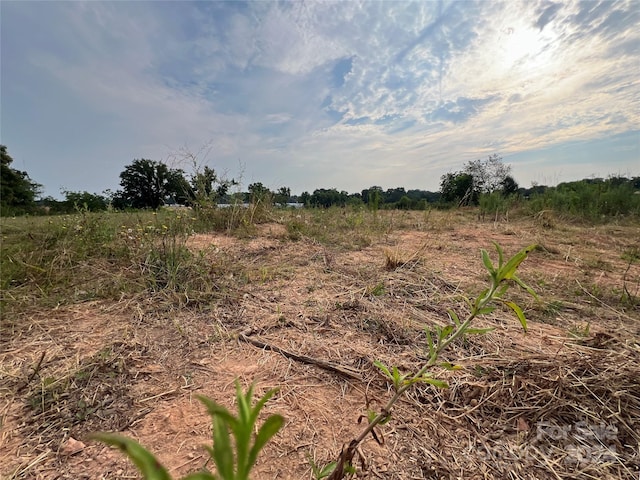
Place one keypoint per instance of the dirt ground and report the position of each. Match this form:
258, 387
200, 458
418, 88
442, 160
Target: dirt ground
134, 368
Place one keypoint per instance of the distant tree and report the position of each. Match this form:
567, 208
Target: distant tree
509, 186
149, 184
17, 190
90, 201
178, 189
405, 203
373, 197
305, 198
327, 197
259, 193
207, 187
282, 195
458, 188
355, 200
488, 175
393, 195
427, 196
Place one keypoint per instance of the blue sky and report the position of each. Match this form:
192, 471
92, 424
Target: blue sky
325, 94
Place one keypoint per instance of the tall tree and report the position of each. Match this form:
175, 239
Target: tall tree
488, 175
17, 190
149, 184
259, 193
282, 195
459, 188
509, 186
208, 187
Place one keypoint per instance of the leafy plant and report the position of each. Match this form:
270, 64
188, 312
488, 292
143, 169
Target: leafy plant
233, 461
500, 278
318, 471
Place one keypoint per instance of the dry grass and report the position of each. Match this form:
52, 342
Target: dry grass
547, 404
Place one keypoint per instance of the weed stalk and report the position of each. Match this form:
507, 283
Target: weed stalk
483, 304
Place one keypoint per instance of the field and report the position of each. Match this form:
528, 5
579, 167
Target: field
116, 321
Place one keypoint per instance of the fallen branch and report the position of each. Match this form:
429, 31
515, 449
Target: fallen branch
332, 367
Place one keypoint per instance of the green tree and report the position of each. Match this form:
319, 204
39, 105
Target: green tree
91, 201
282, 195
17, 190
373, 197
393, 195
405, 203
305, 198
327, 197
149, 184
458, 188
207, 187
509, 186
259, 193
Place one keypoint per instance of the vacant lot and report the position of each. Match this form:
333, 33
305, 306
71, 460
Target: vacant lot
115, 322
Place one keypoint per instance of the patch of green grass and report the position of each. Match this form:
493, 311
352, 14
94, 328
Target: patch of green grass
51, 261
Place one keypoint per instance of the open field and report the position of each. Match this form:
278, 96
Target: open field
115, 321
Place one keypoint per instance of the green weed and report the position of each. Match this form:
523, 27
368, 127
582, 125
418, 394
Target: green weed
233, 459
438, 340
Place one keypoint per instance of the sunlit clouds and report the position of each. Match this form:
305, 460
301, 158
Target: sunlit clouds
322, 94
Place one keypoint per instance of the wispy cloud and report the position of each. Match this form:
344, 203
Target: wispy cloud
316, 94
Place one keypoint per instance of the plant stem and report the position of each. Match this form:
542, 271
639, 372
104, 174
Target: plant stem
347, 454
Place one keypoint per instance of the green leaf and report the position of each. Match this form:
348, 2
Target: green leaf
327, 470
258, 406
501, 291
478, 331
223, 454
486, 310
371, 415
383, 368
398, 377
487, 262
430, 344
435, 382
526, 287
508, 271
450, 366
480, 298
454, 316
445, 332
500, 255
215, 409
519, 313
269, 428
244, 403
148, 465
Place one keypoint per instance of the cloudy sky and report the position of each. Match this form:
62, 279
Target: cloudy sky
325, 94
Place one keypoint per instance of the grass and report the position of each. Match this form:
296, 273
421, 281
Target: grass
146, 308
54, 261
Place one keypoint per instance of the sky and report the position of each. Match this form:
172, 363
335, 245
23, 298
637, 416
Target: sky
311, 95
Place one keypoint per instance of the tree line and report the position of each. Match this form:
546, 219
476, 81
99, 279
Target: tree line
151, 184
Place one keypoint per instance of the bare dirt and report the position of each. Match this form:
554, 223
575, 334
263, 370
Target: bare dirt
135, 368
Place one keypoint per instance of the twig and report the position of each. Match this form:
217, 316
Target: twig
333, 367
36, 369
